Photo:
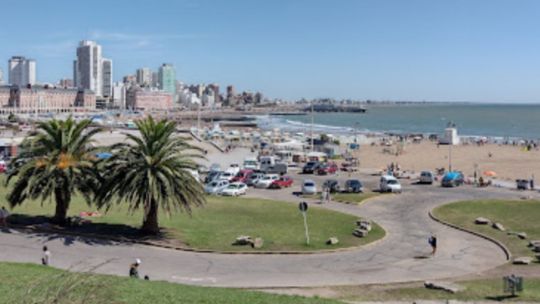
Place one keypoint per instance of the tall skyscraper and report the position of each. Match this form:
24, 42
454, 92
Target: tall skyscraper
22, 71
91, 71
1, 77
144, 77
167, 79
107, 66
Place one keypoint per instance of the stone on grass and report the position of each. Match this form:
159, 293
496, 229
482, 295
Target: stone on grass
522, 261
243, 240
257, 243
358, 232
363, 224
522, 235
536, 248
498, 226
538, 257
446, 286
534, 243
332, 241
482, 221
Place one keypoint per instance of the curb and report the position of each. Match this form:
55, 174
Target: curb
478, 234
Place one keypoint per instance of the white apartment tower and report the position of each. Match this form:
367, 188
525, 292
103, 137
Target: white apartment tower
144, 77
91, 71
22, 71
1, 77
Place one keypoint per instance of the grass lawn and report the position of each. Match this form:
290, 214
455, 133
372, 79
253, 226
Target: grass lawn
217, 225
516, 216
476, 290
353, 197
28, 283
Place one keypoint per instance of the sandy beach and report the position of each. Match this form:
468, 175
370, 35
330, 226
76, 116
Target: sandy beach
509, 162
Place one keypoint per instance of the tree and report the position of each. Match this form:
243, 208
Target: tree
56, 162
152, 171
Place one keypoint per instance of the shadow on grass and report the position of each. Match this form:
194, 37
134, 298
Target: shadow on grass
501, 298
88, 233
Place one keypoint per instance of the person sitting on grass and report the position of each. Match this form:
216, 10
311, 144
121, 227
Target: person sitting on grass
134, 269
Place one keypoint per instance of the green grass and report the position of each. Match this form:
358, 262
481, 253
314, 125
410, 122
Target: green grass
217, 225
353, 197
516, 216
475, 290
27, 283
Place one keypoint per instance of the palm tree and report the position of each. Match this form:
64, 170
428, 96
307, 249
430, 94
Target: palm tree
56, 162
151, 171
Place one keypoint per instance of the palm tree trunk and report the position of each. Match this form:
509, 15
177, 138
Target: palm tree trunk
150, 223
63, 198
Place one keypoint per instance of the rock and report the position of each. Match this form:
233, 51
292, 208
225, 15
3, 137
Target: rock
257, 243
482, 221
243, 240
522, 235
538, 258
522, 261
534, 243
498, 226
332, 241
358, 232
364, 225
536, 248
446, 286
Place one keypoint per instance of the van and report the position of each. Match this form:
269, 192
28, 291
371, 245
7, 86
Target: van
426, 177
278, 168
266, 162
251, 163
389, 183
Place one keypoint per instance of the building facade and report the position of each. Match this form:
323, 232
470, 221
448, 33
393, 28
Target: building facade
91, 71
44, 99
167, 78
107, 77
1, 77
144, 77
144, 99
22, 71
119, 95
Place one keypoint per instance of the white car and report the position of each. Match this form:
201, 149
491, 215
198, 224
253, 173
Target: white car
216, 187
389, 183
266, 181
309, 187
226, 175
234, 169
234, 189
426, 177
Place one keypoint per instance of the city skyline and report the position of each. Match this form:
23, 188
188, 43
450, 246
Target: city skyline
388, 50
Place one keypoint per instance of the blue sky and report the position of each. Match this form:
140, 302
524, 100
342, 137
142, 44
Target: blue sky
380, 49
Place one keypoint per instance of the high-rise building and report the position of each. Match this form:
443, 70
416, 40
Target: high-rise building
1, 77
91, 71
22, 71
65, 83
167, 79
155, 79
144, 77
107, 77
119, 95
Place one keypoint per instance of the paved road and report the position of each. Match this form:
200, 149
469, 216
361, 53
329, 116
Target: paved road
396, 258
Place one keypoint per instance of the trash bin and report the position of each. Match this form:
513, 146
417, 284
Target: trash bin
522, 184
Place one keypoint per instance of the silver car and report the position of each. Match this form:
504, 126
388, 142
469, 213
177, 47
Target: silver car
309, 187
216, 187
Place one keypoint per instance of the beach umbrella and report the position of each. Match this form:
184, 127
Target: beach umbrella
490, 173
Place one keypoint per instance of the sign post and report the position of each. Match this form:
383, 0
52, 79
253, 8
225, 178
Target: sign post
303, 206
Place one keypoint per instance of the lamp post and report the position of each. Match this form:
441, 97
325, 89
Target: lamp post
449, 157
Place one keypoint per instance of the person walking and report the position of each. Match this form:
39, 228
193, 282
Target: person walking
134, 269
328, 194
46, 257
433, 243
4, 214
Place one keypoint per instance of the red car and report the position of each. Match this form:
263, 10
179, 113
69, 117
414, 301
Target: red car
242, 176
282, 182
329, 168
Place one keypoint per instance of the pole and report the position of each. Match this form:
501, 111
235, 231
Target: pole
312, 119
306, 227
199, 120
450, 157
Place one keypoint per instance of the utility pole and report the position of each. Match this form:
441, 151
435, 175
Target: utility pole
450, 157
312, 121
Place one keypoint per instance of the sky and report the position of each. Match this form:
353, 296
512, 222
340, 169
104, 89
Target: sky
454, 50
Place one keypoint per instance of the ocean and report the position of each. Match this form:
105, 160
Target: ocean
490, 120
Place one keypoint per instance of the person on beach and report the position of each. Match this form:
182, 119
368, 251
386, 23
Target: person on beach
46, 258
433, 243
134, 269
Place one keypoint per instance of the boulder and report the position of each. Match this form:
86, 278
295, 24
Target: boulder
482, 221
257, 243
243, 240
358, 232
522, 261
534, 243
446, 286
522, 235
538, 258
498, 226
332, 241
364, 225
536, 248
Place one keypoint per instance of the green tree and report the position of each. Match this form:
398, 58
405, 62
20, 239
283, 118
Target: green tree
151, 171
56, 162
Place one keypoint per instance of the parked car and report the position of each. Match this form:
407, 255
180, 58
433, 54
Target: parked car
389, 183
251, 163
328, 168
278, 168
282, 182
331, 184
211, 176
226, 175
353, 186
234, 169
310, 167
348, 167
242, 176
309, 187
426, 177
216, 187
234, 189
452, 179
254, 178
266, 180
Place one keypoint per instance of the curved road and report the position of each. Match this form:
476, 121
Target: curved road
396, 258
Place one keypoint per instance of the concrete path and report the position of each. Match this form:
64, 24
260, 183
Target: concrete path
397, 258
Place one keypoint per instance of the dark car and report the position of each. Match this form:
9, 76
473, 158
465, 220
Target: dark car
452, 179
310, 167
353, 186
331, 184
